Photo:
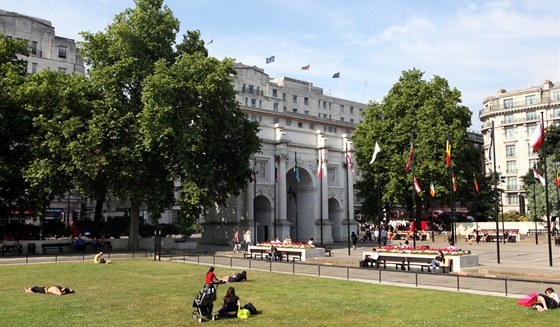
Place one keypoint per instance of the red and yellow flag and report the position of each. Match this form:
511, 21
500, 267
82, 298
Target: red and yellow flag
448, 152
557, 180
453, 181
476, 185
410, 158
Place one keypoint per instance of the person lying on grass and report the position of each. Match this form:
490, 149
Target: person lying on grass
236, 277
56, 290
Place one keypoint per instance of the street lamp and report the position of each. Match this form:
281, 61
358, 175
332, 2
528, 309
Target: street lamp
293, 193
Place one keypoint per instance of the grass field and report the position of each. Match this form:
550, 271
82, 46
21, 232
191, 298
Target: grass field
141, 292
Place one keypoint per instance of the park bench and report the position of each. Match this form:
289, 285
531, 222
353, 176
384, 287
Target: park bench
397, 261
538, 232
418, 262
9, 249
59, 246
328, 250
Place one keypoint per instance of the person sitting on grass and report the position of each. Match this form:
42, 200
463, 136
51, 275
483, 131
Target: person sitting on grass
548, 300
236, 277
56, 290
99, 258
211, 277
231, 304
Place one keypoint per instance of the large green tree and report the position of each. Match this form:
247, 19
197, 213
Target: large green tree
15, 127
537, 199
428, 111
167, 114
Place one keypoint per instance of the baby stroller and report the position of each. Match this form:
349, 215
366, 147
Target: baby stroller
203, 303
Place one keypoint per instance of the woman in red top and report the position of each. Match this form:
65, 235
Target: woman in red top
211, 277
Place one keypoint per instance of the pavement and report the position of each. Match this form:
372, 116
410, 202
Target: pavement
521, 260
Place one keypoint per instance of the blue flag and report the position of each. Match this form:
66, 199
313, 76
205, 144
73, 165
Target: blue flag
337, 75
296, 168
269, 60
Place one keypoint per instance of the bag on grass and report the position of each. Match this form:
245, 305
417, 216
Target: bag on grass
243, 313
251, 308
528, 300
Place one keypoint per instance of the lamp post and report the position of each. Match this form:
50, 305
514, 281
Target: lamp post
293, 193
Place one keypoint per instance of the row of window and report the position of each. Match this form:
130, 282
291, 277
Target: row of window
529, 100
256, 89
511, 165
511, 150
35, 68
288, 122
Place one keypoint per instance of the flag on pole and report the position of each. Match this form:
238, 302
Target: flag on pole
375, 152
270, 60
476, 184
453, 181
491, 143
296, 168
336, 75
211, 41
539, 177
557, 179
432, 190
305, 67
448, 152
537, 139
349, 162
254, 172
320, 170
417, 187
410, 158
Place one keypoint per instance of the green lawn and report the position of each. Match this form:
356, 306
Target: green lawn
142, 292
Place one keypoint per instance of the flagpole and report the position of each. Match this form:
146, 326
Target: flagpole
254, 198
476, 207
535, 212
276, 159
497, 204
295, 195
378, 206
321, 194
546, 198
556, 183
413, 195
347, 194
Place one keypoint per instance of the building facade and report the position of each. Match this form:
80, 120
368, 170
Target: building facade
298, 123
516, 114
46, 50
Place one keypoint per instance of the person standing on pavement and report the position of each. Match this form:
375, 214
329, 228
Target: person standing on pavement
236, 241
354, 239
247, 238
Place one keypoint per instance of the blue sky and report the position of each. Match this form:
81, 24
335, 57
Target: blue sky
478, 46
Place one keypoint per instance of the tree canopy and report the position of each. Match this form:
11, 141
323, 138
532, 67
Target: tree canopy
153, 122
425, 113
15, 127
534, 190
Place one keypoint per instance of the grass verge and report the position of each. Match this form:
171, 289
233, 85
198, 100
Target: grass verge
143, 292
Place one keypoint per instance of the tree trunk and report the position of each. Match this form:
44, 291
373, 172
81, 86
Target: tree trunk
133, 237
98, 211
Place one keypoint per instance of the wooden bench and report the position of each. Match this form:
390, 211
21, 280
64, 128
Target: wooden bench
58, 246
397, 261
418, 262
9, 249
538, 232
328, 250
447, 265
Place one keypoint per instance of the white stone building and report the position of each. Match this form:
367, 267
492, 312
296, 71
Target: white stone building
296, 119
515, 115
46, 50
